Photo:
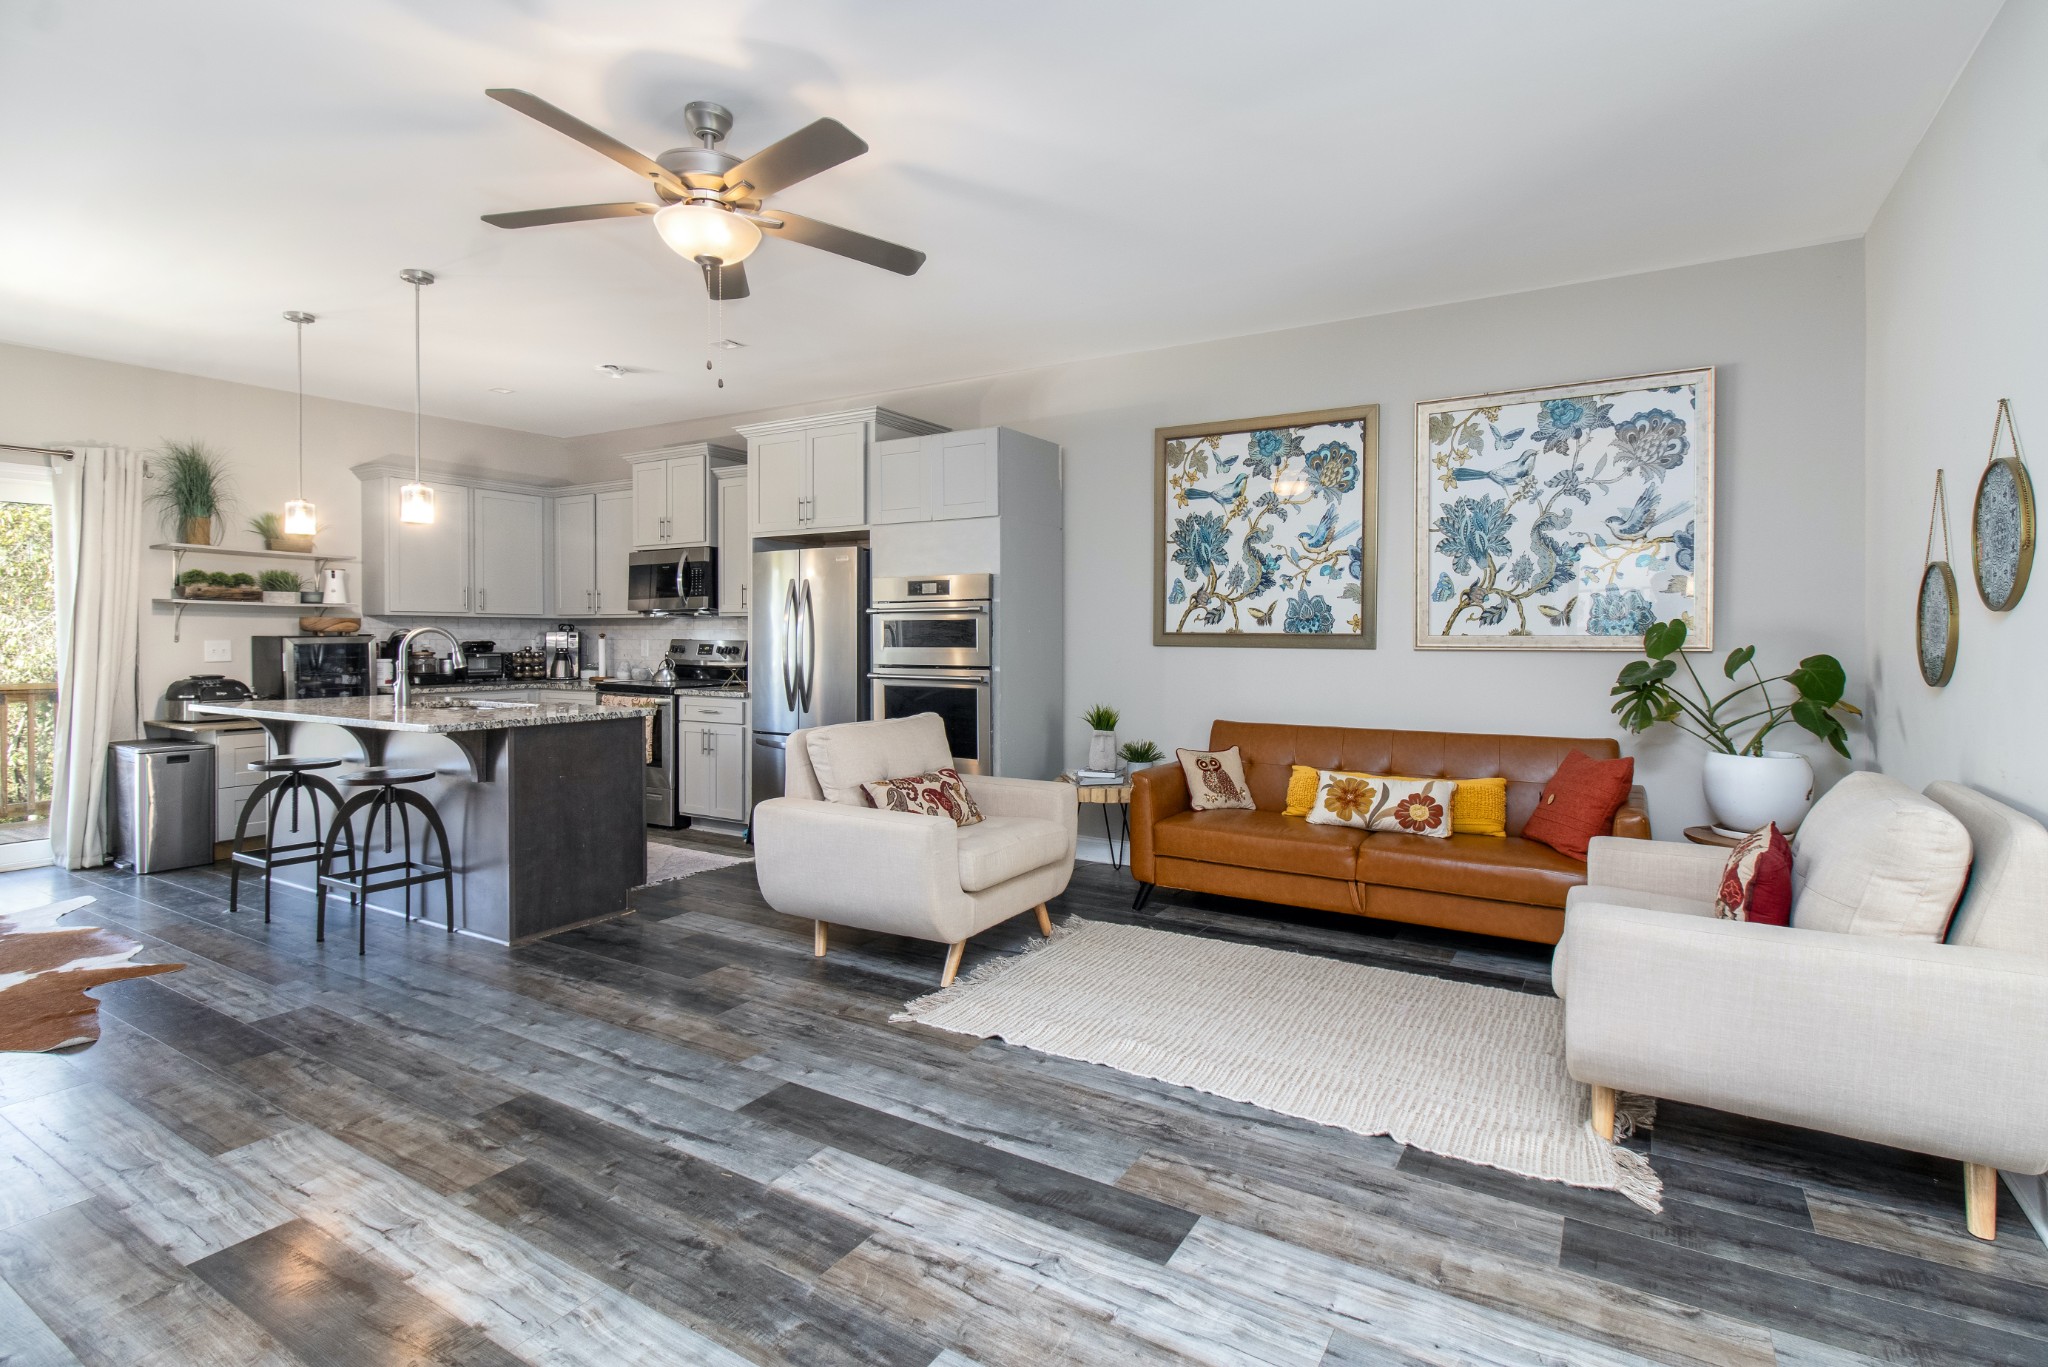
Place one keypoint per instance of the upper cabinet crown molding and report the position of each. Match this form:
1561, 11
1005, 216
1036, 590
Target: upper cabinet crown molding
469, 476
884, 424
709, 450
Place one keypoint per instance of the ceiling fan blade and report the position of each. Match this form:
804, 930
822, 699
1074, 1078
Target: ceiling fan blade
839, 241
817, 147
573, 213
732, 280
605, 144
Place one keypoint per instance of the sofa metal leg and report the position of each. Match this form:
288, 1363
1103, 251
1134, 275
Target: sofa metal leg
953, 953
817, 939
1044, 921
1980, 1199
1144, 896
1603, 1112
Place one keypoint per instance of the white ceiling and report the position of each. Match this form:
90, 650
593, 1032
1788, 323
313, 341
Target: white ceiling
1088, 176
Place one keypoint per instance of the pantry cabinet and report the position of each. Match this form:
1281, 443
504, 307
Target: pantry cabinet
812, 474
673, 498
735, 543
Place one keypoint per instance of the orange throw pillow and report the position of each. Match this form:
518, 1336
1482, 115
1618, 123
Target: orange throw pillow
1579, 802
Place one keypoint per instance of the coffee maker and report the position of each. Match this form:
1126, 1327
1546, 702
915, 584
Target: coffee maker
564, 647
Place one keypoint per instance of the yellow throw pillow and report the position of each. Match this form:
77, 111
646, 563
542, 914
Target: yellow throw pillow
1479, 807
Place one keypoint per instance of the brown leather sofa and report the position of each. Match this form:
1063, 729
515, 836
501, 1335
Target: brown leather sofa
1494, 885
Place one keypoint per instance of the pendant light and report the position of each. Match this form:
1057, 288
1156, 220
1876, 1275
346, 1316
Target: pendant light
416, 500
299, 517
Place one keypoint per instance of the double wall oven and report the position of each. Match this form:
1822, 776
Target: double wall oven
930, 649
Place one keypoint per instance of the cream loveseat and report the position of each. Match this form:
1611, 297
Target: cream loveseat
1860, 1018
822, 853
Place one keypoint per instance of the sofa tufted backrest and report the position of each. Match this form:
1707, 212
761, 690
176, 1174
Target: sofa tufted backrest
1271, 750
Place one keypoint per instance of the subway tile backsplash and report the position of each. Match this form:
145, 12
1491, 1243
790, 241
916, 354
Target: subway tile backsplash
633, 643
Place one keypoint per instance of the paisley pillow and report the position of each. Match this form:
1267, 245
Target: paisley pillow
936, 792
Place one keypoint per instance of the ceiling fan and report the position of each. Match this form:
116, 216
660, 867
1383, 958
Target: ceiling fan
710, 209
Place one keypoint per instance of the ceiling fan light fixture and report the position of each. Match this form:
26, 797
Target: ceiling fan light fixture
695, 230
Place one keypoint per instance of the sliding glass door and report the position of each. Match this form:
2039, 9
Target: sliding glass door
28, 666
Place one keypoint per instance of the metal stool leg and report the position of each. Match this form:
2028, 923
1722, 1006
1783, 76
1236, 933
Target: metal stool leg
338, 832
241, 832
447, 878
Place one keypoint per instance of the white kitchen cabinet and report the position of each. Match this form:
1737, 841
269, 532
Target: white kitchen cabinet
946, 475
837, 458
673, 501
714, 772
426, 566
575, 578
813, 474
234, 780
614, 552
776, 472
510, 573
735, 544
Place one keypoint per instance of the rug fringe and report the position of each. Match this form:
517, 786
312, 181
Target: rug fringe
983, 974
1632, 1113
1638, 1181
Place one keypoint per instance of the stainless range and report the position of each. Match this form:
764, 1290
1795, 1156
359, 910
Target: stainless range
700, 669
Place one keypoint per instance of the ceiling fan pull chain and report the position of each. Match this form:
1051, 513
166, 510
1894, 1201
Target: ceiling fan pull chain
718, 342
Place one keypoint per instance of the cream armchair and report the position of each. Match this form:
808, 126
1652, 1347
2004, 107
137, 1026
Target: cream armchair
820, 853
1864, 1028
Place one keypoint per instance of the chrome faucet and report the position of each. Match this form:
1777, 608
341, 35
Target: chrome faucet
401, 677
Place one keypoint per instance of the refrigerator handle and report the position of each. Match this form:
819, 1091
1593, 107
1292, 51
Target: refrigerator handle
808, 620
789, 647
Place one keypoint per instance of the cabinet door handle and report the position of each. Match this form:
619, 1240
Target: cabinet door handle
743, 598
480, 600
600, 601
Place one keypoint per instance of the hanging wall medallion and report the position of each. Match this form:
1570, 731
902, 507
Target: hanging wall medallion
2002, 523
1937, 623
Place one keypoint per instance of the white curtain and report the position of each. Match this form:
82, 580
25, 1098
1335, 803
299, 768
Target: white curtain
97, 530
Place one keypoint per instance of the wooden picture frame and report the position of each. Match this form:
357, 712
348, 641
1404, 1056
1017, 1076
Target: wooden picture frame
1266, 531
1566, 517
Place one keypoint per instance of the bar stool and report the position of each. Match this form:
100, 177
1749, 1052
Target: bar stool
290, 775
382, 794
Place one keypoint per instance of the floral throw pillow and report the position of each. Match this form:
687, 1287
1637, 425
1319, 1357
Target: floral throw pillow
1216, 780
1409, 806
1756, 883
937, 792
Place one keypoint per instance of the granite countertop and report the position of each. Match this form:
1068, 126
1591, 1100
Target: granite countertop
503, 686
379, 714
203, 728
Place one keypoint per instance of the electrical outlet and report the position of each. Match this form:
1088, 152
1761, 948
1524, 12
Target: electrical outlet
220, 652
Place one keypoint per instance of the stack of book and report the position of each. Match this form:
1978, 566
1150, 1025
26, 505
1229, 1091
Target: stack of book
1090, 778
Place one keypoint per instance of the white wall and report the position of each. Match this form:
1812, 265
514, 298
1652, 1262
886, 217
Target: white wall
1786, 331
51, 399
1957, 297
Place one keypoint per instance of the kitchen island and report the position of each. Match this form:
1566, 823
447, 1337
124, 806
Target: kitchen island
541, 801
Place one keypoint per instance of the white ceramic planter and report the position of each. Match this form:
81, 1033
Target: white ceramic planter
282, 597
1748, 792
1102, 749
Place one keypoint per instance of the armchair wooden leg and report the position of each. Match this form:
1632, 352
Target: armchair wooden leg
953, 953
1044, 921
817, 939
1603, 1111
1980, 1199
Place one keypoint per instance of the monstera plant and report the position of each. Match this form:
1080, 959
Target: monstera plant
1747, 785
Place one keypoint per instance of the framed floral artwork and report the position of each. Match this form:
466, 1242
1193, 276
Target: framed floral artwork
1566, 518
1268, 531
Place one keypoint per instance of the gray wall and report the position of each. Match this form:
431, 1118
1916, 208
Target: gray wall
1786, 331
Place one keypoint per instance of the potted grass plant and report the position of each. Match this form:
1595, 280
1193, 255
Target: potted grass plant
1102, 720
1139, 754
1747, 785
270, 527
191, 492
279, 586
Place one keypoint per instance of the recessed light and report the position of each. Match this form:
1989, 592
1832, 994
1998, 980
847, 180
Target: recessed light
617, 372
500, 389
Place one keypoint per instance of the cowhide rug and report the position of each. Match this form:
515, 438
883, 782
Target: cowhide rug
46, 970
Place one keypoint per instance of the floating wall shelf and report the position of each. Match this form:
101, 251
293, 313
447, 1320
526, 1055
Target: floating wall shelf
180, 549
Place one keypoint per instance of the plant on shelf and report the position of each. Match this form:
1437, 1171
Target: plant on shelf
1747, 785
1102, 720
215, 584
270, 527
1137, 753
279, 586
191, 490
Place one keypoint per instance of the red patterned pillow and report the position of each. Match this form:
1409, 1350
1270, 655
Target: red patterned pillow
1756, 884
1579, 802
936, 792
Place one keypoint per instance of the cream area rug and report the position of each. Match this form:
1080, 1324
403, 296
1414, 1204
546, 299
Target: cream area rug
1468, 1072
666, 863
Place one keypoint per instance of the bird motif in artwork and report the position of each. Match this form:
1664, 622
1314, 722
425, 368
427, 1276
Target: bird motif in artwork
1506, 476
1638, 521
1216, 782
1228, 494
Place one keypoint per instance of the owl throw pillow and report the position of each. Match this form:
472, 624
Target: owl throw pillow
1216, 780
937, 792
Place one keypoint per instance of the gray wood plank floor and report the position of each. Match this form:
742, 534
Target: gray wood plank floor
678, 1138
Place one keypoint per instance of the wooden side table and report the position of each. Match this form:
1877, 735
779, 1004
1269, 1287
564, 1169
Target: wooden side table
1105, 796
1707, 835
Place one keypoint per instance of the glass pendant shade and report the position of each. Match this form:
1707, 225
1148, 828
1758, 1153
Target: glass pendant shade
415, 503
696, 231
299, 519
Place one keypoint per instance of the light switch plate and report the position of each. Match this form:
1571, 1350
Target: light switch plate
220, 652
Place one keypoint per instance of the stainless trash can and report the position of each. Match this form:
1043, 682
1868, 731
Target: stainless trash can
160, 799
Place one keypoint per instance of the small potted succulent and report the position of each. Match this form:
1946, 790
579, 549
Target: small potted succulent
191, 492
280, 586
270, 527
1140, 754
1102, 720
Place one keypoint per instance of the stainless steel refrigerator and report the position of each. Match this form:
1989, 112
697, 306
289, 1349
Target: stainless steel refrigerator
808, 665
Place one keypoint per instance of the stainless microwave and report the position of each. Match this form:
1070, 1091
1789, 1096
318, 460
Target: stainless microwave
684, 579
